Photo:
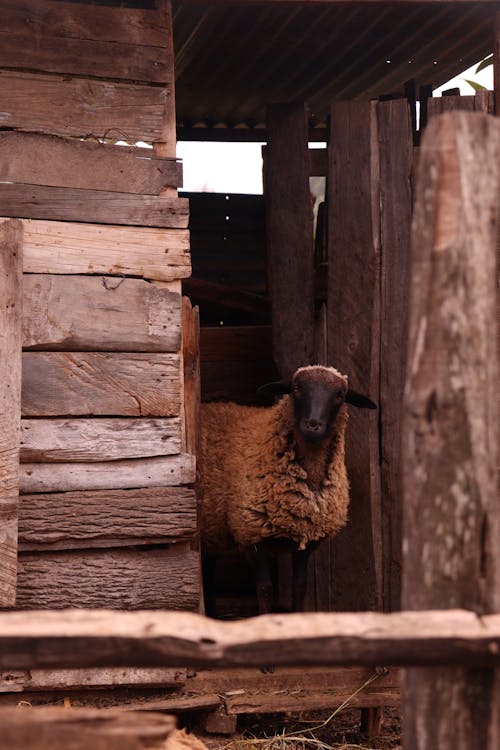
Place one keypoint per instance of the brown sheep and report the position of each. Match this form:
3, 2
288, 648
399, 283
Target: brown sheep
277, 473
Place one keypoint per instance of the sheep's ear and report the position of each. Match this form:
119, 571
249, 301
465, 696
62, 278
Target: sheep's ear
279, 388
357, 399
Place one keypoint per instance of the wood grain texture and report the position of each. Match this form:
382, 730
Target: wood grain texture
76, 639
106, 518
22, 680
102, 384
160, 471
55, 728
100, 314
70, 248
289, 235
395, 145
450, 431
63, 440
11, 237
192, 386
70, 163
117, 579
93, 206
61, 105
353, 340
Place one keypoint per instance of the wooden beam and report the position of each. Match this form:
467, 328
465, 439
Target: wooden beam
81, 638
106, 518
70, 248
165, 578
451, 556
93, 206
160, 471
496, 61
100, 313
58, 384
66, 440
71, 163
11, 258
23, 680
222, 297
73, 106
289, 236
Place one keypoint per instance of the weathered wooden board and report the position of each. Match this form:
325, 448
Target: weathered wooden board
93, 206
83, 639
62, 162
192, 387
106, 518
55, 728
11, 238
117, 579
100, 314
70, 248
289, 234
61, 105
104, 384
395, 144
22, 680
63, 440
160, 471
451, 556
353, 342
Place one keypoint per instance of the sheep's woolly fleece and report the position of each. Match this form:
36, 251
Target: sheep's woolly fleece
254, 487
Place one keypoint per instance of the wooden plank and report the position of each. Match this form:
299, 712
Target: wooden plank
22, 680
289, 234
106, 518
221, 297
51, 728
11, 237
93, 206
63, 440
70, 248
353, 340
318, 158
308, 699
192, 385
77, 639
70, 163
103, 384
396, 165
160, 471
166, 142
100, 314
450, 431
166, 578
61, 105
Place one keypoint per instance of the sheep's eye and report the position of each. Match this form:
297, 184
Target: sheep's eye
296, 390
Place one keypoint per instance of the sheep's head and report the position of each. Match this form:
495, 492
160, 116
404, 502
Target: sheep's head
317, 394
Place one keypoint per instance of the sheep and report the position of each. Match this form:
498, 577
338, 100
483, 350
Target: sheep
276, 473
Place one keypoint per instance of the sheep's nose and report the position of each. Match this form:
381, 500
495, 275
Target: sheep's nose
313, 425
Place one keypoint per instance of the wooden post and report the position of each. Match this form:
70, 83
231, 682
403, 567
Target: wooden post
451, 556
168, 144
496, 61
289, 231
354, 339
10, 401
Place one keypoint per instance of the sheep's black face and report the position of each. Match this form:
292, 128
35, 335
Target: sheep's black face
316, 404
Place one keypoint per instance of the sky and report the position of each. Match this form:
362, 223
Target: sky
237, 167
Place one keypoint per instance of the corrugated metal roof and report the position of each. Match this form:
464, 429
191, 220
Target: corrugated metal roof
232, 60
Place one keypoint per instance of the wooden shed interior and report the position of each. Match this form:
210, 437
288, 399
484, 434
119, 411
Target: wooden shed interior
98, 496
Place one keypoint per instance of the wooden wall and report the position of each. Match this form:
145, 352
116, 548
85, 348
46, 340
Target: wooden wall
107, 514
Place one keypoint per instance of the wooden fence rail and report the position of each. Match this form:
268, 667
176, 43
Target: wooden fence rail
79, 638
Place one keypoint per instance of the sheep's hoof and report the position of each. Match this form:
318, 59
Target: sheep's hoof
267, 670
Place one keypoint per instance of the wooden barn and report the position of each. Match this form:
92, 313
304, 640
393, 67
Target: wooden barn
107, 270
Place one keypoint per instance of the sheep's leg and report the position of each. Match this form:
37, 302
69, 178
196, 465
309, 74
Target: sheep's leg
300, 559
264, 581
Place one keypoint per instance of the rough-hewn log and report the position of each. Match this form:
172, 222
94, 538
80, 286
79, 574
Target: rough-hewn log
70, 163
451, 556
11, 235
22, 680
70, 248
104, 384
93, 206
289, 232
166, 578
100, 314
79, 638
106, 518
160, 471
